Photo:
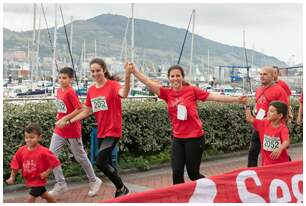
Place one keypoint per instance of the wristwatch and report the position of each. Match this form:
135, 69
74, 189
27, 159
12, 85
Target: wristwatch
246, 106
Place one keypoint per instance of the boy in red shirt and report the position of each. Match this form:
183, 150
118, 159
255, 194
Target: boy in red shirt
66, 133
36, 163
273, 133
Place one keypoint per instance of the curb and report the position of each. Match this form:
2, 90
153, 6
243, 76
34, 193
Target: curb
19, 187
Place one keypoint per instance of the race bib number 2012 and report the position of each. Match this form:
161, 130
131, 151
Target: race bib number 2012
99, 104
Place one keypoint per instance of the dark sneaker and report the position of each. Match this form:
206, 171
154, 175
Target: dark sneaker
122, 191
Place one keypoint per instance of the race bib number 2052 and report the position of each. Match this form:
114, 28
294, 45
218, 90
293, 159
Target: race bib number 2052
99, 104
270, 144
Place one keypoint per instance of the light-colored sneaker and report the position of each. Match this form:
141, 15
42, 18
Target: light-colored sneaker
94, 187
59, 188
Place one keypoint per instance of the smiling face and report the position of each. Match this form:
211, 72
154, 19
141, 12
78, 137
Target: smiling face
64, 80
97, 73
176, 79
31, 139
273, 114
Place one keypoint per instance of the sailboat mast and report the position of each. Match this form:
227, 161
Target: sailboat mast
191, 50
71, 32
54, 49
33, 44
132, 46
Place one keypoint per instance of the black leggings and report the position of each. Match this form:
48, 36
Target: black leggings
104, 160
254, 149
186, 152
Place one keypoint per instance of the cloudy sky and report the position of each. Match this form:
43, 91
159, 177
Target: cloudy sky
275, 28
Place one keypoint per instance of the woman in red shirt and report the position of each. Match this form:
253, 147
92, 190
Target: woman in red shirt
187, 130
104, 100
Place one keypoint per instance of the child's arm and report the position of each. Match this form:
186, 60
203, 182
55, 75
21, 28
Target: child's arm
63, 121
248, 114
277, 152
46, 173
12, 178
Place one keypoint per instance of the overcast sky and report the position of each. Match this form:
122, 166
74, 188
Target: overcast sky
275, 29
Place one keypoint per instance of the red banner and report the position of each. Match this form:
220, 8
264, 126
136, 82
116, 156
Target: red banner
272, 183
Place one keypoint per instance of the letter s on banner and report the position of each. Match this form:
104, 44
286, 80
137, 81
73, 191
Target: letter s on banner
205, 191
244, 194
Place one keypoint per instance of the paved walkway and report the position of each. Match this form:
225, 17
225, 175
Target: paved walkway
141, 181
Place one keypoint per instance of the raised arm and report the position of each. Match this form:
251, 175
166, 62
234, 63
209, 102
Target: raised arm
124, 92
153, 86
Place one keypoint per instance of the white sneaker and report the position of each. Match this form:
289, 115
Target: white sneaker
94, 187
59, 188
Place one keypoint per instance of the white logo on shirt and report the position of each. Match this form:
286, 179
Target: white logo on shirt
29, 166
99, 104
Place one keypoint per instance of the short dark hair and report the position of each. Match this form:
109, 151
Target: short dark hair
67, 70
281, 108
33, 128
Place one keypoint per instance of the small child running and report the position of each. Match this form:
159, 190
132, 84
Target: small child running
36, 163
273, 133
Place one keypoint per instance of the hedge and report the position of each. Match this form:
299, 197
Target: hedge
146, 128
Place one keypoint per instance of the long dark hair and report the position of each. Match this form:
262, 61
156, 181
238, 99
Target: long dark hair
178, 67
102, 63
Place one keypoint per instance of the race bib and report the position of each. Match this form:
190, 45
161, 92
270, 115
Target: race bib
270, 144
260, 114
181, 112
99, 104
60, 106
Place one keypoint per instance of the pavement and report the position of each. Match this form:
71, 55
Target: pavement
147, 180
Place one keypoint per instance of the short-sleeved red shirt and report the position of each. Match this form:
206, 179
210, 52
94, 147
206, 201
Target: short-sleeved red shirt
187, 96
105, 103
270, 137
66, 102
265, 95
284, 85
33, 163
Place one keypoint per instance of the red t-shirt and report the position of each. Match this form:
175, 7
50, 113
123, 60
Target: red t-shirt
265, 95
301, 98
271, 138
187, 96
33, 163
66, 102
105, 103
285, 86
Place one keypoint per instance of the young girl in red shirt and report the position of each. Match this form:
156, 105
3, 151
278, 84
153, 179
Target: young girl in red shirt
104, 101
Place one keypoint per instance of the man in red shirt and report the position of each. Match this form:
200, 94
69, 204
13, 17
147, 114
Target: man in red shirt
285, 86
268, 91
